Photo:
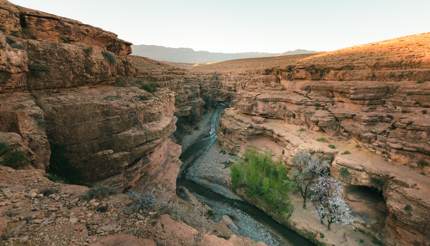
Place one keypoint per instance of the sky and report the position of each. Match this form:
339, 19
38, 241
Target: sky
247, 25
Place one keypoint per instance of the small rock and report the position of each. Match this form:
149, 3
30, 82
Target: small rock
73, 220
32, 194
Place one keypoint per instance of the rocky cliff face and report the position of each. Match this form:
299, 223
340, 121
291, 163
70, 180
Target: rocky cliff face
194, 91
63, 103
368, 106
72, 104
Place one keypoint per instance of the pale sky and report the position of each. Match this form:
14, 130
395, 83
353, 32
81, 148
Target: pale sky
247, 25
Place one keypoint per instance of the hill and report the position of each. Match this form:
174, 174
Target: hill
393, 59
187, 55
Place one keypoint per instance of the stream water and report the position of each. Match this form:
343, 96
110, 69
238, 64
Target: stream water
249, 220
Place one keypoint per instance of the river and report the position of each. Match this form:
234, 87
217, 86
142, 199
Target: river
249, 220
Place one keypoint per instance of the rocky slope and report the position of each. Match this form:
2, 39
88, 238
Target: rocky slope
367, 106
37, 211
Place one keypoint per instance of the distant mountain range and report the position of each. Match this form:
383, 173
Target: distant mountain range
187, 55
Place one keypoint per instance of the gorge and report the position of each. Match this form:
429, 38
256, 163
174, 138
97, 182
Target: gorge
99, 147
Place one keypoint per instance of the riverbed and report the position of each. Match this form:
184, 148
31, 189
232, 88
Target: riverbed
205, 173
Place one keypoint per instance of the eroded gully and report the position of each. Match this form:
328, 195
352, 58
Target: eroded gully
248, 220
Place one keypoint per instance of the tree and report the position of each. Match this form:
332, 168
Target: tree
264, 179
307, 169
328, 200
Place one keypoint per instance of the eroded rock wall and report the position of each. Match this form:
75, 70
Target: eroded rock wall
63, 103
194, 92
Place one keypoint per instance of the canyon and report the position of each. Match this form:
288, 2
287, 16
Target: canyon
82, 117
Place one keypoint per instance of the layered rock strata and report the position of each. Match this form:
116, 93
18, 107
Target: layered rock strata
64, 105
368, 106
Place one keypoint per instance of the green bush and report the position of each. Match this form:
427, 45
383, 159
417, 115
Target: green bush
422, 164
149, 87
12, 157
322, 139
109, 57
3, 148
264, 179
98, 192
88, 51
344, 172
38, 70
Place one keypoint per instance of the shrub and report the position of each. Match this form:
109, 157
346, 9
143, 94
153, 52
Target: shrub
422, 164
377, 182
3, 148
346, 152
120, 82
408, 209
263, 179
109, 57
141, 202
149, 87
332, 146
142, 97
98, 192
12, 157
16, 159
322, 139
88, 51
38, 70
112, 98
344, 173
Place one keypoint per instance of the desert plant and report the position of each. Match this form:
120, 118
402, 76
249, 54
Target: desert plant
38, 70
322, 139
120, 82
344, 173
141, 201
377, 182
142, 97
328, 200
12, 157
307, 168
408, 209
422, 164
332, 146
112, 98
109, 57
98, 192
264, 179
149, 87
88, 51
346, 152
3, 148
